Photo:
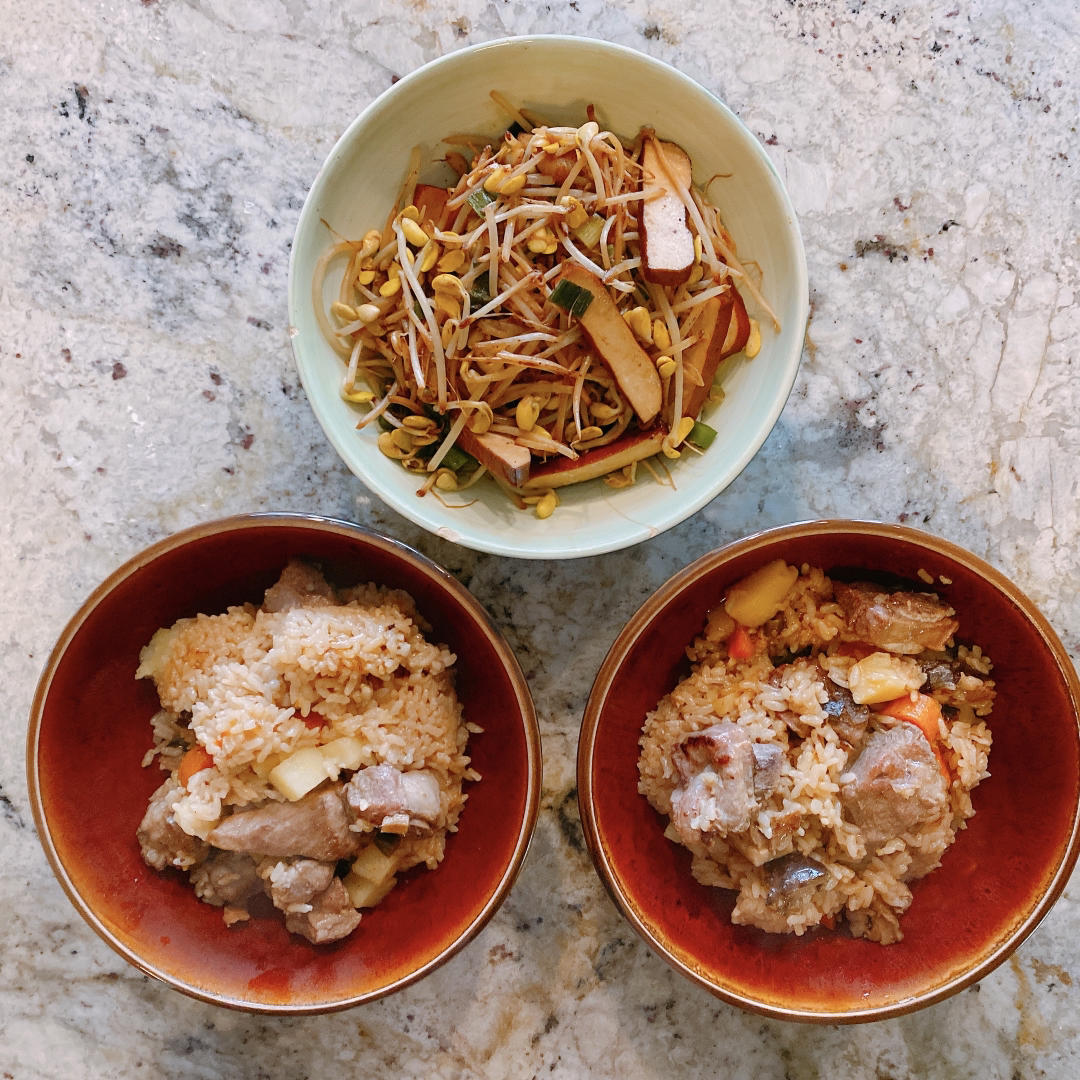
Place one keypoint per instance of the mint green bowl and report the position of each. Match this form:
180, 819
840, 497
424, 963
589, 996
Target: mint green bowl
557, 77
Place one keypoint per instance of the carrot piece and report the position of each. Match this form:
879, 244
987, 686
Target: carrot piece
739, 645
194, 760
430, 201
924, 712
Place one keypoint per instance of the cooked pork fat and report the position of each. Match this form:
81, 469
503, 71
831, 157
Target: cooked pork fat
382, 795
894, 786
768, 764
300, 584
716, 773
900, 622
316, 827
791, 878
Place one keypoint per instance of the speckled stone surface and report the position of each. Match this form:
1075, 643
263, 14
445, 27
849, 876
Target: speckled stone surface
155, 156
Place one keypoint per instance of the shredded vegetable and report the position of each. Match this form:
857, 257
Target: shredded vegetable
526, 317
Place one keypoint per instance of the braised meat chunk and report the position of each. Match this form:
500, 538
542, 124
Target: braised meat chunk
330, 917
894, 786
227, 878
392, 799
899, 622
716, 780
163, 842
293, 883
316, 827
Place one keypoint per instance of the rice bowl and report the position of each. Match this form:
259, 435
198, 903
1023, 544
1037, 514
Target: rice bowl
90, 730
996, 882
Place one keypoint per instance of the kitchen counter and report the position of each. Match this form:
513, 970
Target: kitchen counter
156, 156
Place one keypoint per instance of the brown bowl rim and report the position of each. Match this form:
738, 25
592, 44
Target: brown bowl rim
654, 605
283, 519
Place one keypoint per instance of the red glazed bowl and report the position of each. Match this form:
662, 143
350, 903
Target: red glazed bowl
996, 882
90, 728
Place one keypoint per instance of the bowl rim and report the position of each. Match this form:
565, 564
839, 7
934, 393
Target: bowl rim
665, 595
632, 532
318, 523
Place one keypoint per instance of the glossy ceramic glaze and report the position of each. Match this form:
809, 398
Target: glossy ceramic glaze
995, 883
90, 729
558, 77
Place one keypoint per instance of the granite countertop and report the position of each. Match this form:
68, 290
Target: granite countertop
156, 156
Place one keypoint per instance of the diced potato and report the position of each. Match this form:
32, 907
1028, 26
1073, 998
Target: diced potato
755, 599
719, 626
373, 865
882, 677
264, 768
153, 655
364, 893
344, 753
300, 772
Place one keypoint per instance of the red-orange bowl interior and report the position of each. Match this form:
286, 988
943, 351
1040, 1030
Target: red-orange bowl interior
91, 728
995, 882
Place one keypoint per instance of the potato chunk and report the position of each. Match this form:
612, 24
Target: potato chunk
345, 753
882, 677
364, 893
756, 598
301, 772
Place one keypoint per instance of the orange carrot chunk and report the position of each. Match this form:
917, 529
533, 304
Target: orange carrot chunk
739, 645
195, 760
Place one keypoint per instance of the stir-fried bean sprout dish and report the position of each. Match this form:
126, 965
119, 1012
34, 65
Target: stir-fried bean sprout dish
558, 314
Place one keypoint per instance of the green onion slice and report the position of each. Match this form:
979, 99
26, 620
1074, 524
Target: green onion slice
479, 294
701, 435
588, 233
571, 297
456, 459
478, 199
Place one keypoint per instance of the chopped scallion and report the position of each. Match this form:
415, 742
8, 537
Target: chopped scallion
701, 435
571, 297
588, 232
581, 304
479, 294
478, 199
456, 459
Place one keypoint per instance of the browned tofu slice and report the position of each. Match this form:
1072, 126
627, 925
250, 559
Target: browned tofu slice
724, 327
667, 244
635, 373
500, 455
625, 450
